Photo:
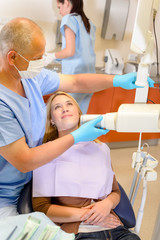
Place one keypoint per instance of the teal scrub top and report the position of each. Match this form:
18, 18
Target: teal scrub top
20, 116
84, 58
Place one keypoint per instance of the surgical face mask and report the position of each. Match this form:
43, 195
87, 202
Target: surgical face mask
34, 68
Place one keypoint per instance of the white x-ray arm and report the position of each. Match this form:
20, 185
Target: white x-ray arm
144, 118
141, 118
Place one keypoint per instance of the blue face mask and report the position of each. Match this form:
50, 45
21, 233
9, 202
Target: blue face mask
34, 68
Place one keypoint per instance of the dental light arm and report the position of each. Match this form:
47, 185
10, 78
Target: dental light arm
130, 118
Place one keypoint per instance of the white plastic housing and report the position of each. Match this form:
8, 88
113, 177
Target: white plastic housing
108, 121
130, 118
138, 118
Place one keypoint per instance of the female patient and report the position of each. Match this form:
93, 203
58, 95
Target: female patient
79, 186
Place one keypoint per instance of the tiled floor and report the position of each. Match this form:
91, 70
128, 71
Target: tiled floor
122, 160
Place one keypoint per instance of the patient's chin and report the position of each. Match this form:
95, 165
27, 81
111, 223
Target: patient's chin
68, 125
69, 128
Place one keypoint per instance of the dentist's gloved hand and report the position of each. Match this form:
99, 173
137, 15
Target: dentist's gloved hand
127, 81
88, 131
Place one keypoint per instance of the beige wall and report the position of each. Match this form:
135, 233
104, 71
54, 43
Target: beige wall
95, 13
45, 13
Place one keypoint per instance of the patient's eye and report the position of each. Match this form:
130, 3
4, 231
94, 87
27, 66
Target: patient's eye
69, 103
57, 107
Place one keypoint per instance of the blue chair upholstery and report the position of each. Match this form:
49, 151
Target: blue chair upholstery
25, 200
124, 209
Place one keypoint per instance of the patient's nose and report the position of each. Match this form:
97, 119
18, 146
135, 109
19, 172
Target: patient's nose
65, 109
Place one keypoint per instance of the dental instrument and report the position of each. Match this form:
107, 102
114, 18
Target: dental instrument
11, 234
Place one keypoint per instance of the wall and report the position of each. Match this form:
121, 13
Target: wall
102, 44
45, 13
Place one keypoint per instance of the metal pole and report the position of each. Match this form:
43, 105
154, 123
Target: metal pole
156, 231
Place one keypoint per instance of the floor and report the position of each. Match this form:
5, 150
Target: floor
122, 160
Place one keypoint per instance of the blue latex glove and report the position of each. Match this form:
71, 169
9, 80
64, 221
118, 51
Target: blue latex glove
88, 131
127, 81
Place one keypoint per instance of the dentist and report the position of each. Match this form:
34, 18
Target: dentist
23, 83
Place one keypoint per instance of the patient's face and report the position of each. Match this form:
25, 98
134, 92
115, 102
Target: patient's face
64, 113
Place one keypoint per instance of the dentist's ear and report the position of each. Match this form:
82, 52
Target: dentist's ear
11, 56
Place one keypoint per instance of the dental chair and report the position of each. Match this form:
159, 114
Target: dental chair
124, 209
25, 200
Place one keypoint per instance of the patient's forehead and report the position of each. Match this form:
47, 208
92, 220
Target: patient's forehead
61, 99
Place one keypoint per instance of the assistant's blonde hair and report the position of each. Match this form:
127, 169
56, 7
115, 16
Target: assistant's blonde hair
51, 132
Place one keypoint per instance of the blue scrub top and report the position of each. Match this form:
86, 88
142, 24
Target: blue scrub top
84, 58
20, 116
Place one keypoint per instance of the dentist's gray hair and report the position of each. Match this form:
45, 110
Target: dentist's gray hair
18, 34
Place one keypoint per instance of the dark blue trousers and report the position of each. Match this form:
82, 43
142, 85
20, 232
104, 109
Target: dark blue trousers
119, 233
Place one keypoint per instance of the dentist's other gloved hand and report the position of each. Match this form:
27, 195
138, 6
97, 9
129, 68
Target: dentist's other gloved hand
88, 131
127, 81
